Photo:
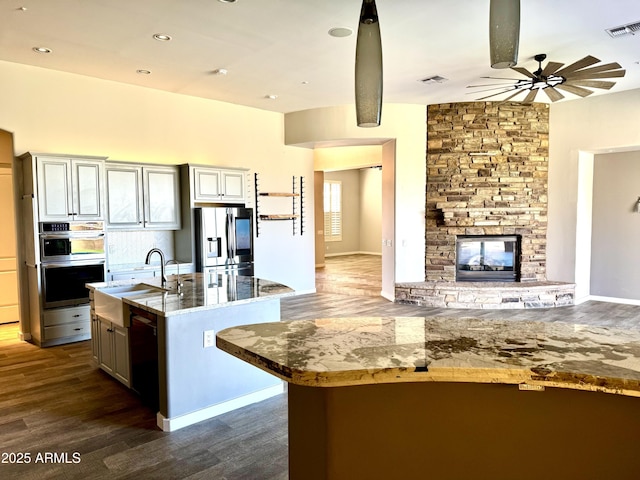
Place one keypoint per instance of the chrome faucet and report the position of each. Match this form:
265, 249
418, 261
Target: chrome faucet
148, 261
178, 282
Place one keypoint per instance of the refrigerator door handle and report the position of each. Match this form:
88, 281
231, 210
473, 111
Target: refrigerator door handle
231, 241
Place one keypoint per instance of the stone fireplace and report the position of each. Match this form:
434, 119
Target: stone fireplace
487, 165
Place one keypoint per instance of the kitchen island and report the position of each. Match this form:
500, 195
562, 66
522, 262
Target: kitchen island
445, 398
174, 363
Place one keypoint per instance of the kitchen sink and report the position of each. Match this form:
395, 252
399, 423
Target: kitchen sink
108, 301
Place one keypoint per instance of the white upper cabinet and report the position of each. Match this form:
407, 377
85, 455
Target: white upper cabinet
140, 196
214, 185
69, 189
161, 197
124, 196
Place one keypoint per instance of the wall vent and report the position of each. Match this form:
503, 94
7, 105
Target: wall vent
624, 30
434, 79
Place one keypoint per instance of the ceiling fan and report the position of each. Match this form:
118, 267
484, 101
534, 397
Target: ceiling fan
574, 78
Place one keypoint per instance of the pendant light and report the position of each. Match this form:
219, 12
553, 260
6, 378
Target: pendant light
368, 67
504, 32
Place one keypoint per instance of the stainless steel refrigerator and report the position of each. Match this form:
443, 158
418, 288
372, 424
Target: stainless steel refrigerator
224, 240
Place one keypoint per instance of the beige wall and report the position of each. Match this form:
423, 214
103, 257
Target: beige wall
366, 196
8, 274
346, 158
55, 112
403, 136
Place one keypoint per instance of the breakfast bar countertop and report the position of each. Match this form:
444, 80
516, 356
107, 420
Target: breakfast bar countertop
199, 292
371, 350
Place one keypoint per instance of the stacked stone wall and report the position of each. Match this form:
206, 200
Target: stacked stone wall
487, 168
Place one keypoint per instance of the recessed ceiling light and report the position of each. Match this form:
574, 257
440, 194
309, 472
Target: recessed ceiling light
305, 82
143, 72
162, 37
22, 9
220, 71
41, 50
269, 97
340, 32
227, 1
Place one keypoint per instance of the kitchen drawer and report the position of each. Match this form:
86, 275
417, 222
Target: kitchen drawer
132, 275
59, 316
67, 330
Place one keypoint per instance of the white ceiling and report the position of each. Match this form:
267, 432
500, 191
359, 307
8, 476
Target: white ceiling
273, 46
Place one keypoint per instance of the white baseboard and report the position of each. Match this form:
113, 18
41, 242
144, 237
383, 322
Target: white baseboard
341, 254
176, 423
625, 301
389, 296
24, 336
305, 292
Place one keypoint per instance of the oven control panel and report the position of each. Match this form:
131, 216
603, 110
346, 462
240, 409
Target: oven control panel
55, 227
71, 227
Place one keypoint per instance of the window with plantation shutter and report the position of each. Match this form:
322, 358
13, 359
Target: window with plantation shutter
332, 211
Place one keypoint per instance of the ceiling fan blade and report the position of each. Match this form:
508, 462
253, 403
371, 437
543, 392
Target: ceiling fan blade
551, 68
511, 96
581, 92
504, 88
601, 68
587, 76
553, 94
490, 85
523, 71
585, 62
530, 96
501, 78
591, 83
495, 94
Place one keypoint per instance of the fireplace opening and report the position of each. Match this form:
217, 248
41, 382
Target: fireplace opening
488, 258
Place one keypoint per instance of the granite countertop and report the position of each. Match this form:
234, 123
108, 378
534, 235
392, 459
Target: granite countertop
360, 351
198, 293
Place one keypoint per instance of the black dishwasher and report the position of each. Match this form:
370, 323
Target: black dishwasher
143, 340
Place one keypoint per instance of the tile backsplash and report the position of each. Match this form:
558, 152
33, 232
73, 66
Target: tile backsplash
131, 247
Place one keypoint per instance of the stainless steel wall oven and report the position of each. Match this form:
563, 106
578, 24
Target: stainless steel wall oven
72, 254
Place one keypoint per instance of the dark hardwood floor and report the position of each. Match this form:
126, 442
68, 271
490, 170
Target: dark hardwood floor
56, 401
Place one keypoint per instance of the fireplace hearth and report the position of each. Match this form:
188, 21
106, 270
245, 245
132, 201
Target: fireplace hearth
488, 258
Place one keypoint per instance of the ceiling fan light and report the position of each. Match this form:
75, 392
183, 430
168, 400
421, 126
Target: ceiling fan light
504, 32
368, 69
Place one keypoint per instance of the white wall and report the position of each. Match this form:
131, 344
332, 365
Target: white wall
578, 130
56, 112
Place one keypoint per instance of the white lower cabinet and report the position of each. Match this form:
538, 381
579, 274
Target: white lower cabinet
70, 323
113, 350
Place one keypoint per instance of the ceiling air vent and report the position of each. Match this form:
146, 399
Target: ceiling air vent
623, 30
434, 79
